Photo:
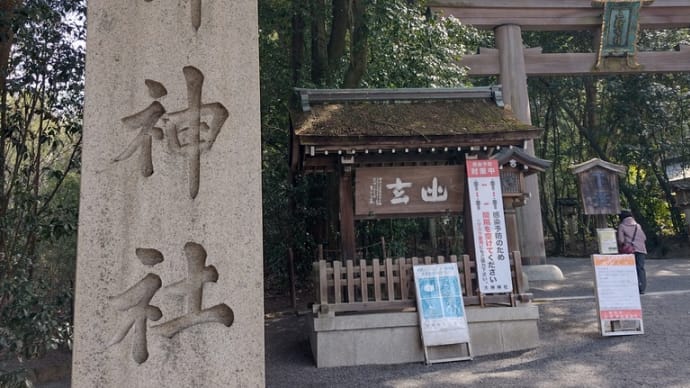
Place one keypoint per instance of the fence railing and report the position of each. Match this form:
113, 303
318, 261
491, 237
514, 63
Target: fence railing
377, 285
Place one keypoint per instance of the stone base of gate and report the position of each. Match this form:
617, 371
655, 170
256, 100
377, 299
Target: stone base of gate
394, 338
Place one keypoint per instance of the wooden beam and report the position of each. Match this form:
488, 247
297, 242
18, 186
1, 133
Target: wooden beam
399, 143
347, 212
486, 63
559, 15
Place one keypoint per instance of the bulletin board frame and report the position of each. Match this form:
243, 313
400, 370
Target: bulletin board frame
619, 310
442, 319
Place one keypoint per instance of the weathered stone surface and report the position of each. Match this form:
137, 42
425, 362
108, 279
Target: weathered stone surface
394, 338
170, 213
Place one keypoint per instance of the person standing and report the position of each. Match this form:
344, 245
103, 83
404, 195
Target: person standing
630, 232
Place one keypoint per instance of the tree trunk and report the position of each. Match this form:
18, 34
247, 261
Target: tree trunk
359, 48
296, 47
339, 28
319, 42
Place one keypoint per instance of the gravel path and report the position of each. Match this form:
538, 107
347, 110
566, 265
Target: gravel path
572, 353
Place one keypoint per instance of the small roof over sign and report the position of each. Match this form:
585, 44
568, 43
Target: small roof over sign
518, 155
596, 162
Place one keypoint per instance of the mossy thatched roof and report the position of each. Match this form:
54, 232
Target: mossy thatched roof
419, 118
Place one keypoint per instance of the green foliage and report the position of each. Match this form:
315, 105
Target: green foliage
41, 132
40, 137
409, 237
35, 317
19, 378
408, 48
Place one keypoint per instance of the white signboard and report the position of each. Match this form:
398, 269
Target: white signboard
607, 241
618, 297
439, 305
489, 226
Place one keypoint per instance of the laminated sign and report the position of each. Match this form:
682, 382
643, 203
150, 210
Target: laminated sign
440, 305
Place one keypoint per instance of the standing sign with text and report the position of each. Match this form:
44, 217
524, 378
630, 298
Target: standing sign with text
440, 305
618, 298
489, 226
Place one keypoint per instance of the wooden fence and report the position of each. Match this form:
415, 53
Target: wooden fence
376, 285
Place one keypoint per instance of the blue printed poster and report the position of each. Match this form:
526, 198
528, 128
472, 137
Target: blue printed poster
440, 305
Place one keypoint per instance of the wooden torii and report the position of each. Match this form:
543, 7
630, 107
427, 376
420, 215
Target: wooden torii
513, 64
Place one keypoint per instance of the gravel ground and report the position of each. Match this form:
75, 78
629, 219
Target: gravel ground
572, 352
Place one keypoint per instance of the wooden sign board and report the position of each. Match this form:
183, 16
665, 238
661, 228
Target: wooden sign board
618, 298
599, 191
442, 319
395, 191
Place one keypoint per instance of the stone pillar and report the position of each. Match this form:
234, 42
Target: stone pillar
514, 80
169, 269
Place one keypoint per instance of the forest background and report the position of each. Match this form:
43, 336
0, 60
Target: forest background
638, 121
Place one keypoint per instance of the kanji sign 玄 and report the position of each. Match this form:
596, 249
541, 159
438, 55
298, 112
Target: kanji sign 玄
382, 191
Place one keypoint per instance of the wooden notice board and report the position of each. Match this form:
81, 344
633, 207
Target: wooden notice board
442, 320
417, 190
618, 298
599, 191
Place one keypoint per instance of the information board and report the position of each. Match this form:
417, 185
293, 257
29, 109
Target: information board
618, 298
489, 226
440, 306
607, 241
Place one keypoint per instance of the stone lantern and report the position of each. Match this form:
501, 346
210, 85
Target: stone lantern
515, 164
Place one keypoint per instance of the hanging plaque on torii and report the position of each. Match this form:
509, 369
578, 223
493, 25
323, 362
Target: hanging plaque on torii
619, 30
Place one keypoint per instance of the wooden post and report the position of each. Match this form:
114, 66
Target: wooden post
384, 254
347, 214
511, 225
600, 221
291, 268
514, 80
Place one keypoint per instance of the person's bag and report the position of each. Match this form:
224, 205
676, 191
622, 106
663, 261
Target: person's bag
627, 248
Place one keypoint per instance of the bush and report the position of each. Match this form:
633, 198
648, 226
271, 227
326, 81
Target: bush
35, 318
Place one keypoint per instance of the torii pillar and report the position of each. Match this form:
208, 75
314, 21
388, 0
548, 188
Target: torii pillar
513, 78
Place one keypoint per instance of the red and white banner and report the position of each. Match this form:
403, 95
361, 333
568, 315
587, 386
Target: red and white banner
489, 226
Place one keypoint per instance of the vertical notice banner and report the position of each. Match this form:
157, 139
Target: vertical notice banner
618, 298
489, 226
440, 306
